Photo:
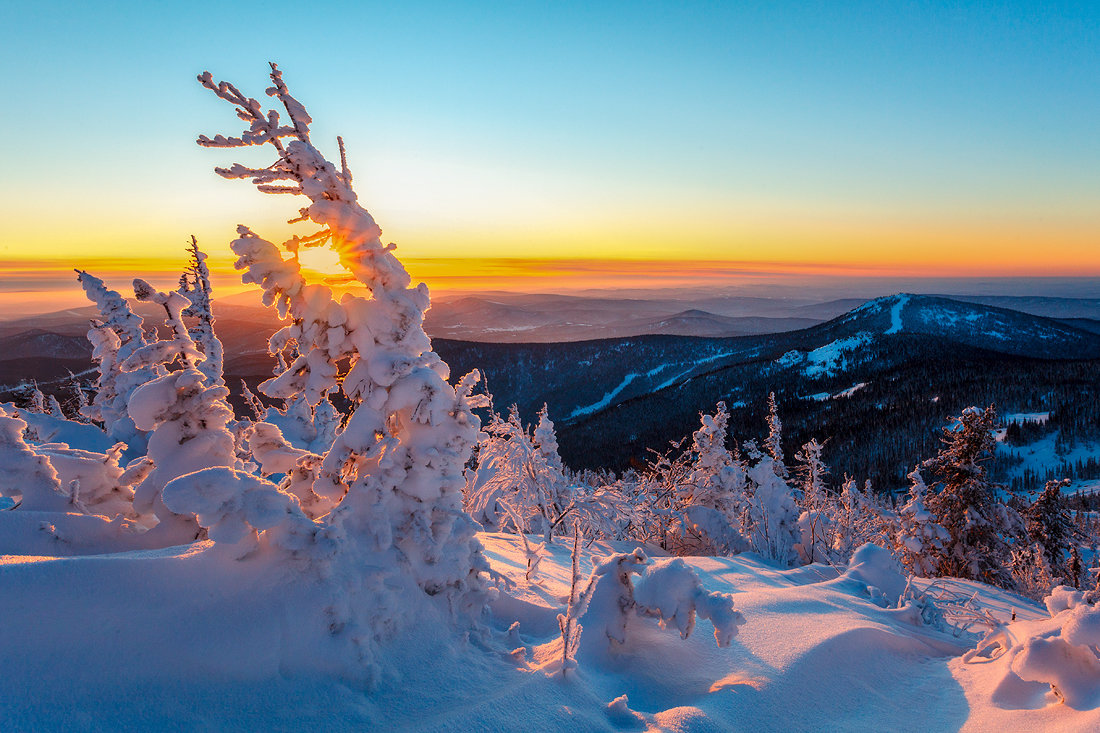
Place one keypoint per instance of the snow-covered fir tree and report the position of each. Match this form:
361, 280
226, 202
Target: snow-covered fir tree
713, 499
918, 539
195, 286
1049, 525
966, 503
186, 416
773, 445
773, 514
397, 467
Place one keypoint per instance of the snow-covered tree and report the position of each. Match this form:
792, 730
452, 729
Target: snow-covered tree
244, 514
195, 286
53, 407
712, 500
773, 445
186, 416
38, 402
773, 514
1049, 525
114, 337
814, 524
397, 466
79, 402
919, 539
965, 502
855, 520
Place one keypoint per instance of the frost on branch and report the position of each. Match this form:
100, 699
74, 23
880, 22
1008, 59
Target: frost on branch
396, 468
519, 483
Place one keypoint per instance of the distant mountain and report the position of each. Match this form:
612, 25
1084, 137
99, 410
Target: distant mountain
38, 344
1061, 308
520, 318
898, 365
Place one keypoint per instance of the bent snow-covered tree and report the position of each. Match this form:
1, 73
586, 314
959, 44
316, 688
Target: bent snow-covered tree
397, 468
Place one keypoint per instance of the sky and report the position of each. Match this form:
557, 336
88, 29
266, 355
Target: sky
541, 146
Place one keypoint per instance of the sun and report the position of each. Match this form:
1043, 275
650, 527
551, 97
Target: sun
321, 260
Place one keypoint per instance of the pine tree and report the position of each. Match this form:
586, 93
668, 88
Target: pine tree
965, 502
1050, 526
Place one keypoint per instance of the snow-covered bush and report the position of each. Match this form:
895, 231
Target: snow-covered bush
667, 590
26, 475
877, 572
1058, 654
397, 467
519, 483
96, 483
670, 591
242, 513
855, 519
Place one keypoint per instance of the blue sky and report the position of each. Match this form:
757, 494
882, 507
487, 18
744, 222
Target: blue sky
891, 134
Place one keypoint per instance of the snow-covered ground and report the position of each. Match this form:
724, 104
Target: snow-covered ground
185, 639
1043, 454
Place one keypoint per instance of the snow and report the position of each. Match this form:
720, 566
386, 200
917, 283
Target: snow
844, 393
850, 391
1040, 418
606, 400
1042, 454
207, 642
895, 314
827, 360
